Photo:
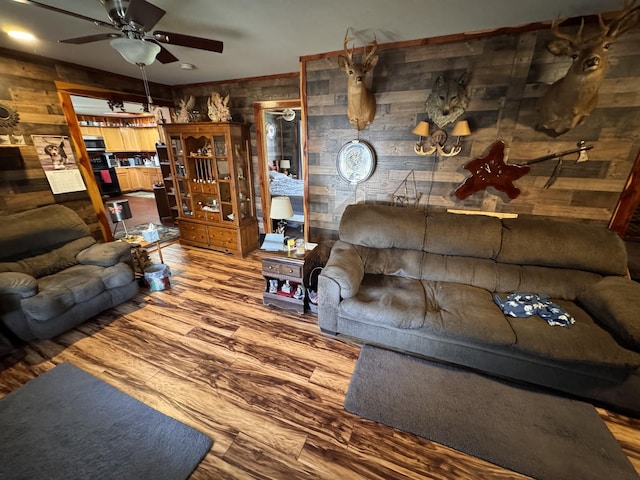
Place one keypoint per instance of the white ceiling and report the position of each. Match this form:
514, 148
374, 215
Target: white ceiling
267, 37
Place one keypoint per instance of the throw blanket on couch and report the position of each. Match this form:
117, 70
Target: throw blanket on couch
524, 305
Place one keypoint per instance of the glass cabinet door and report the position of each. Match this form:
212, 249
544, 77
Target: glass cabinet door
183, 198
202, 178
243, 175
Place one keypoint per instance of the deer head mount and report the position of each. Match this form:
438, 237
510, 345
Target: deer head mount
569, 100
448, 100
361, 103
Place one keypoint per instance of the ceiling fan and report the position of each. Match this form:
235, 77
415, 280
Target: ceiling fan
134, 19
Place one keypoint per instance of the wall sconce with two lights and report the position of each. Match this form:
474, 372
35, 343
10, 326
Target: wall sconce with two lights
434, 144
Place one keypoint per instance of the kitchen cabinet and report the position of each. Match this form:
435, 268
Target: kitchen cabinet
91, 131
138, 178
124, 179
211, 175
128, 139
113, 140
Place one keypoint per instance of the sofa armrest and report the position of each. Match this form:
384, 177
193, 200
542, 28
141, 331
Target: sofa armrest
345, 267
105, 254
615, 303
20, 284
340, 278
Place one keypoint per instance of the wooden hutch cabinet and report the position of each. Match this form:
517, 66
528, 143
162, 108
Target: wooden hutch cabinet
212, 181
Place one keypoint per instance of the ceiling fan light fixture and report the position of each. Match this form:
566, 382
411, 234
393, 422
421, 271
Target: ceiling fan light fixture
136, 51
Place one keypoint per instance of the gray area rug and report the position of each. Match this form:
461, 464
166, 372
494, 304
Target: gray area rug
67, 424
533, 433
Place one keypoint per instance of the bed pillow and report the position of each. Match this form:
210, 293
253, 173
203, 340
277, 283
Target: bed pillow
615, 303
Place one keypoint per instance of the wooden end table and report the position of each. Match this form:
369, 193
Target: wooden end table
284, 271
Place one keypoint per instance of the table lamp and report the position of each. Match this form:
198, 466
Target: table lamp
281, 209
119, 211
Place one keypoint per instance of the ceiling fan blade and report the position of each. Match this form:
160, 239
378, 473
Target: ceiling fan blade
188, 41
143, 13
165, 56
90, 38
67, 12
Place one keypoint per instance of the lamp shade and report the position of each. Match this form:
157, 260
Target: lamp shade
119, 210
285, 164
461, 129
280, 208
421, 129
136, 51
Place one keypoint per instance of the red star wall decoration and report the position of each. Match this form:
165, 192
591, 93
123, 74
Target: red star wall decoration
491, 171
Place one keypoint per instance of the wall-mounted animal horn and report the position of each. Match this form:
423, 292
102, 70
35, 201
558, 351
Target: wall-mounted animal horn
448, 100
361, 103
573, 97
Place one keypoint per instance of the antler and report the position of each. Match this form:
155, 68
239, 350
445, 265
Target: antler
346, 49
574, 40
623, 21
374, 45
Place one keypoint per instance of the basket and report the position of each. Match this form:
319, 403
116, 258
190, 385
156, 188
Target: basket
312, 289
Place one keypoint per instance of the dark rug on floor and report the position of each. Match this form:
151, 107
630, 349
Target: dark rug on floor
537, 434
67, 424
166, 234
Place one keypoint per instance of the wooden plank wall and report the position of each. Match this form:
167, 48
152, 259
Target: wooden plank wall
508, 72
27, 84
243, 93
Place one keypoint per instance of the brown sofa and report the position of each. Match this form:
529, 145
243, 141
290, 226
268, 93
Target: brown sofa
53, 274
424, 283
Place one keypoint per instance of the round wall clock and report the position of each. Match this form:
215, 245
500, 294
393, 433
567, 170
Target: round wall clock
356, 161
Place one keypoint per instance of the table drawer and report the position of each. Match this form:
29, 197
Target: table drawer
275, 267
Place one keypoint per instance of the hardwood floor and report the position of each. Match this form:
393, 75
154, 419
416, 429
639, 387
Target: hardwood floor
263, 383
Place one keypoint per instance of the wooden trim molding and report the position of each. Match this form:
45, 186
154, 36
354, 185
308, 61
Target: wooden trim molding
628, 201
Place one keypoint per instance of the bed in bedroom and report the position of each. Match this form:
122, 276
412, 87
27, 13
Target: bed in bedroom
281, 185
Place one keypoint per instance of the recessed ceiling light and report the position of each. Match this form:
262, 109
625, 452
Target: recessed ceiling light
187, 66
21, 35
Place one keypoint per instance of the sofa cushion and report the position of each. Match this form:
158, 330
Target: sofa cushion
393, 227
40, 230
614, 301
57, 259
392, 261
465, 314
585, 342
583, 247
17, 283
77, 284
105, 254
464, 235
396, 301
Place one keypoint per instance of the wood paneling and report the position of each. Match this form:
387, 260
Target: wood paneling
28, 84
508, 73
265, 384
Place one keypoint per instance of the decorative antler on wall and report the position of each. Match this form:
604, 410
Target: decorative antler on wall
573, 97
361, 103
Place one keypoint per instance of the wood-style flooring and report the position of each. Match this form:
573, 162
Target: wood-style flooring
266, 385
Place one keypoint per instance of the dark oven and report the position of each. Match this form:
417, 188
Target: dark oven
105, 176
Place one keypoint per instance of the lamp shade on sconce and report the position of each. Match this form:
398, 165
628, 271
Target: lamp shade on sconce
138, 52
285, 165
421, 129
461, 129
280, 208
